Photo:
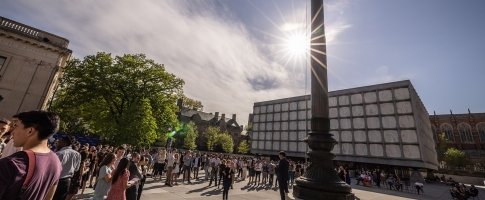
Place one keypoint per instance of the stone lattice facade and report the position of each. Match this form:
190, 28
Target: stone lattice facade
31, 61
462, 131
380, 124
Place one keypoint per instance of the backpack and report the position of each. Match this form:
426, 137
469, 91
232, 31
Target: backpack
30, 172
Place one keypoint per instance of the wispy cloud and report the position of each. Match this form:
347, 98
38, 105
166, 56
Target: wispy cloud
221, 62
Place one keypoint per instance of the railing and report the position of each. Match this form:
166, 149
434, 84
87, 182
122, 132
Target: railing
13, 26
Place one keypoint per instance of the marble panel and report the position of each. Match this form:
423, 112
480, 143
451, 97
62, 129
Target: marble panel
293, 105
254, 144
277, 126
276, 146
284, 126
254, 136
293, 136
309, 113
284, 107
269, 108
343, 100
333, 124
356, 98
284, 146
263, 109
411, 151
302, 125
257, 110
359, 123
389, 122
344, 112
277, 107
302, 115
360, 136
284, 116
284, 135
409, 136
309, 104
262, 136
302, 147
269, 126
376, 150
262, 126
406, 121
391, 136
256, 127
293, 115
370, 97
345, 123
277, 116
262, 118
293, 125
347, 149
268, 145
269, 117
385, 95
387, 108
375, 136
357, 111
260, 144
346, 136
333, 112
371, 109
401, 93
373, 122
301, 135
404, 107
361, 149
276, 136
255, 118
302, 105
332, 101
393, 150
293, 146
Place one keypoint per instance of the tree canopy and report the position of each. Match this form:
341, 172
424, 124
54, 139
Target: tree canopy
455, 158
243, 147
192, 103
125, 99
190, 136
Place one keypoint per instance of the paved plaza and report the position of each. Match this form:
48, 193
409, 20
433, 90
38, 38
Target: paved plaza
198, 190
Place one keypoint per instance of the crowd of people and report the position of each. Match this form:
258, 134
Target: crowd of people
34, 169
460, 191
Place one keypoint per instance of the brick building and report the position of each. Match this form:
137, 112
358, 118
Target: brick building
462, 131
203, 120
31, 60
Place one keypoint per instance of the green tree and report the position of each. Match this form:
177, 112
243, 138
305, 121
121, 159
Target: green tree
99, 93
243, 147
224, 140
190, 136
192, 103
455, 158
441, 147
211, 134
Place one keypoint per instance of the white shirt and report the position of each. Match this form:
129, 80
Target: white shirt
10, 149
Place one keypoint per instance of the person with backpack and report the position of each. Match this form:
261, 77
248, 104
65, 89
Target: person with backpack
34, 172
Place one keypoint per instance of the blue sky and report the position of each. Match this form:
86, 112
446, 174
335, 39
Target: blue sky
231, 53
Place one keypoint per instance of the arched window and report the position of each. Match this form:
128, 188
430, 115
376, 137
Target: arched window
481, 131
465, 131
448, 130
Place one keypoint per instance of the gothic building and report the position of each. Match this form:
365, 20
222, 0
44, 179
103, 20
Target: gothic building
203, 120
462, 131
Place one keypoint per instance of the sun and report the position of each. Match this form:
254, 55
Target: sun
297, 44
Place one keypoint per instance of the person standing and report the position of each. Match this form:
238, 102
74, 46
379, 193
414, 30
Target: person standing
71, 161
103, 183
187, 165
119, 181
227, 177
31, 131
135, 178
283, 167
170, 166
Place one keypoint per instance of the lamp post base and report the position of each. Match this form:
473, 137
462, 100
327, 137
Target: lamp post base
300, 192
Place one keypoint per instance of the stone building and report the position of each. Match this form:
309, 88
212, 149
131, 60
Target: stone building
31, 60
462, 131
203, 120
385, 124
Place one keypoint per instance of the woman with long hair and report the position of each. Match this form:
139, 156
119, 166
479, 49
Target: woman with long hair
119, 181
103, 183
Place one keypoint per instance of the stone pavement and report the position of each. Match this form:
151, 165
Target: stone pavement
199, 190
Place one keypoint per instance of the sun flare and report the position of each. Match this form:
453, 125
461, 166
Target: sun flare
297, 45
